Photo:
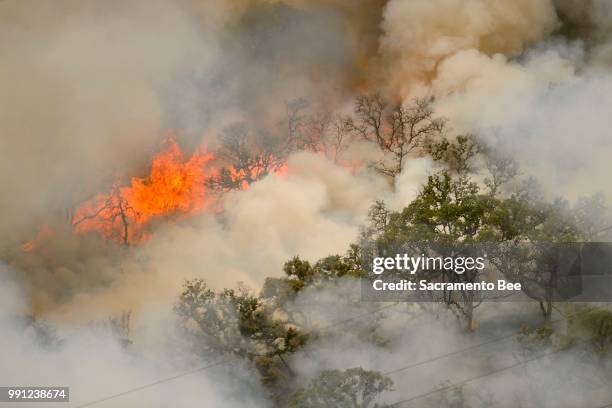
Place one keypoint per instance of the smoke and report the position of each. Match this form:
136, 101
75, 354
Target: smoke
547, 110
314, 210
58, 354
419, 347
82, 98
409, 181
90, 90
89, 87
418, 35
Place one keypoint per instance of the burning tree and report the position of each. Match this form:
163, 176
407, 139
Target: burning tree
175, 186
319, 132
249, 156
110, 214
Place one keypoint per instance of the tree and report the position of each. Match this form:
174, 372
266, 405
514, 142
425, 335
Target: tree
598, 326
319, 132
352, 388
543, 250
113, 211
300, 273
446, 218
238, 324
118, 326
501, 168
378, 217
593, 217
451, 215
398, 131
248, 157
457, 154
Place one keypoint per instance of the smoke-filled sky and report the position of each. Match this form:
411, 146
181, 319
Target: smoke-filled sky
89, 88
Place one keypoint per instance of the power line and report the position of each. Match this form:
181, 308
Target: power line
174, 377
323, 328
472, 347
225, 361
478, 377
443, 356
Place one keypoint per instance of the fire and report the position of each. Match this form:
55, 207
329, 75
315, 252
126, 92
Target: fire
44, 233
175, 187
242, 178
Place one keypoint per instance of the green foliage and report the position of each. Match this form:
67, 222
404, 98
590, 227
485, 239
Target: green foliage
598, 327
237, 323
300, 273
453, 209
448, 209
352, 388
446, 217
457, 154
533, 339
232, 322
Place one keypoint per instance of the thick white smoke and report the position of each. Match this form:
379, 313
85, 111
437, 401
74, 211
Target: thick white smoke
315, 210
549, 110
419, 347
94, 364
89, 87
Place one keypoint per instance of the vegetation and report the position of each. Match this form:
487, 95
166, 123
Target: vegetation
477, 198
352, 388
456, 209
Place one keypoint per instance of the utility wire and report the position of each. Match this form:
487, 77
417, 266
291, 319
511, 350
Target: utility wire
478, 377
142, 387
323, 328
475, 346
224, 361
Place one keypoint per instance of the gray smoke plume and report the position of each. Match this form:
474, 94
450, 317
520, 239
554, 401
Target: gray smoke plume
90, 87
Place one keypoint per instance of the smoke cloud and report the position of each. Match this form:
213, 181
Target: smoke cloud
548, 110
418, 35
90, 87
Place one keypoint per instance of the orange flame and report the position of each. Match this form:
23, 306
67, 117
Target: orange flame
44, 233
174, 187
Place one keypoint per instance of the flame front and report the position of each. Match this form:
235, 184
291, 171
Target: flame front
175, 187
